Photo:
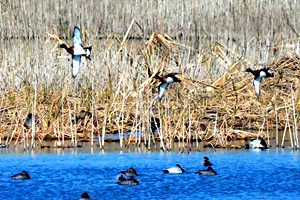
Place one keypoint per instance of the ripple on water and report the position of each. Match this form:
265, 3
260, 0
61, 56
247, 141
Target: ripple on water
269, 174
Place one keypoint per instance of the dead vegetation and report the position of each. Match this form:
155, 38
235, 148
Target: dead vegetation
192, 111
116, 92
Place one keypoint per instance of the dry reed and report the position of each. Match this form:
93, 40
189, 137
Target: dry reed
209, 43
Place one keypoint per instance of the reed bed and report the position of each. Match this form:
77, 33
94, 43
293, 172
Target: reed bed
116, 92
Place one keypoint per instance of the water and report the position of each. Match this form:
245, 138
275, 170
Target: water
65, 174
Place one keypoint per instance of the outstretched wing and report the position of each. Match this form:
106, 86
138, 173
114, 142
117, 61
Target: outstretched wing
77, 36
162, 90
75, 65
256, 85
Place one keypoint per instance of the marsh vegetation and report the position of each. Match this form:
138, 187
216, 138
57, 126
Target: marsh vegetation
209, 43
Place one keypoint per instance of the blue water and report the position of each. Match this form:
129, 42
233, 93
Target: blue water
65, 174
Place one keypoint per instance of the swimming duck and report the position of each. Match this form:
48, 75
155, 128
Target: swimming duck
130, 181
84, 196
28, 120
174, 170
208, 171
206, 162
130, 172
259, 143
21, 176
121, 177
77, 50
165, 81
258, 75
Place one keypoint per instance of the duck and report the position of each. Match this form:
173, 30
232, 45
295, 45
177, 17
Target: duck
21, 176
77, 50
28, 120
164, 83
174, 170
84, 196
259, 143
130, 172
155, 124
208, 171
130, 181
206, 162
258, 76
121, 177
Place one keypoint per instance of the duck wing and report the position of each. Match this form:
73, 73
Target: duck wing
162, 90
76, 60
77, 36
256, 85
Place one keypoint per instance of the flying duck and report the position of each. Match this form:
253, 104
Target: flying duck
77, 50
165, 81
258, 75
208, 171
21, 176
174, 170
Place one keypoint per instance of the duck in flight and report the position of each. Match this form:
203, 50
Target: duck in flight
258, 76
165, 81
77, 50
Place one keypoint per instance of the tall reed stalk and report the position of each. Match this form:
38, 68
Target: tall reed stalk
209, 42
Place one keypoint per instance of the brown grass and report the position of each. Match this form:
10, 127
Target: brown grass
210, 44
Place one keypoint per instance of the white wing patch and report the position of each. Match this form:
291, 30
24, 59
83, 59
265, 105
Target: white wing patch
77, 36
75, 65
170, 80
262, 74
162, 90
256, 85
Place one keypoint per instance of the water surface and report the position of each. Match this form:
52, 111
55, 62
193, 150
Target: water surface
66, 173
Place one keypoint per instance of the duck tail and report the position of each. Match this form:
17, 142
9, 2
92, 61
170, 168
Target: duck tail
88, 52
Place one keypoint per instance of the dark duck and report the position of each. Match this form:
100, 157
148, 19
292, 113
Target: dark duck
209, 171
127, 177
128, 181
29, 119
206, 162
21, 176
